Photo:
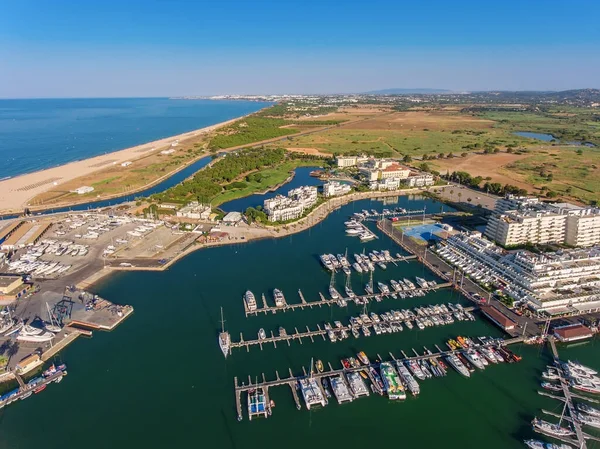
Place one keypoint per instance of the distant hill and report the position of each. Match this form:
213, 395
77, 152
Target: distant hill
397, 91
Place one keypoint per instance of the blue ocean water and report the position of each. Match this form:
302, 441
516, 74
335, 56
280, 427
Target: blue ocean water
38, 134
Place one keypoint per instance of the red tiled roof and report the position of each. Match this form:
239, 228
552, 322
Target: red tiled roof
572, 331
498, 317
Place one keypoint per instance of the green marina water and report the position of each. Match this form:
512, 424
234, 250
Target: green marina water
160, 381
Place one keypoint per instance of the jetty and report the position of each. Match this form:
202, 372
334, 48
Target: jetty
292, 380
323, 301
299, 335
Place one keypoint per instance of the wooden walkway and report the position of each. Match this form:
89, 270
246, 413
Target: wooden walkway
292, 381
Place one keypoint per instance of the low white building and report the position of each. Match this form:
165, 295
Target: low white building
195, 211
165, 152
385, 184
126, 164
376, 169
232, 218
83, 190
417, 179
335, 188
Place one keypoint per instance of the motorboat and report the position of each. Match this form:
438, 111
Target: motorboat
34, 334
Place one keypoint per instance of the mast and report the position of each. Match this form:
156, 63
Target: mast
348, 281
371, 280
50, 315
222, 322
332, 282
346, 253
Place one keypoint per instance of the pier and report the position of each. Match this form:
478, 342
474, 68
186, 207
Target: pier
292, 380
567, 398
26, 391
297, 335
323, 301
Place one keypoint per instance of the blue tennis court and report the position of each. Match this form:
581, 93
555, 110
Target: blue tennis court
425, 232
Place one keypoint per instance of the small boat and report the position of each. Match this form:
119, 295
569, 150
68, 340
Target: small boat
39, 389
551, 386
262, 334
319, 366
346, 363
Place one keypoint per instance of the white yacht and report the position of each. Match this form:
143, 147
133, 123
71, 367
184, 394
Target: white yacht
224, 337
383, 288
357, 267
333, 293
455, 362
408, 379
262, 334
279, 298
34, 334
250, 301
474, 358
551, 429
357, 384
340, 389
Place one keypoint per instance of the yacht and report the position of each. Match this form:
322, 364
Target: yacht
587, 385
250, 301
366, 236
474, 358
346, 270
588, 420
354, 231
551, 429
395, 285
383, 288
408, 379
279, 298
391, 381
224, 337
382, 265
34, 334
357, 267
413, 365
12, 326
333, 293
326, 261
587, 409
349, 292
455, 362
579, 366
369, 289
422, 282
262, 334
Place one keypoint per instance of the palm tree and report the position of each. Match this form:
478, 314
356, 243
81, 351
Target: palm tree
459, 195
452, 193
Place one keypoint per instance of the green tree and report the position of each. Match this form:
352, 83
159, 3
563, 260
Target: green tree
407, 158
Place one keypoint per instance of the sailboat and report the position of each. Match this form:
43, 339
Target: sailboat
224, 337
348, 288
53, 326
369, 286
332, 291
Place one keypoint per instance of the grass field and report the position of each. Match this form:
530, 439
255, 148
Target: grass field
270, 178
414, 133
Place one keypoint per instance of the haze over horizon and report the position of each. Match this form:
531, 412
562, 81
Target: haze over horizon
149, 49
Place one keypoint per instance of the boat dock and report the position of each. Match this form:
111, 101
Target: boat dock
292, 381
297, 335
26, 390
323, 301
580, 436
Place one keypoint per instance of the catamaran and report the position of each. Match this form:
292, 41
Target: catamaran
34, 334
224, 337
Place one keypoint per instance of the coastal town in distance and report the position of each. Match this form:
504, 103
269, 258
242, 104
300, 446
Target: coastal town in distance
522, 258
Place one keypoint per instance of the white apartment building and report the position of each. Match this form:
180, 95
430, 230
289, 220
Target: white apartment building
419, 180
283, 208
558, 282
335, 188
350, 161
385, 184
520, 220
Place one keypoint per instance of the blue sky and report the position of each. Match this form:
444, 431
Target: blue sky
162, 48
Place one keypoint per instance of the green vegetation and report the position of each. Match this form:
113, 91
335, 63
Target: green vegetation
249, 130
256, 215
207, 183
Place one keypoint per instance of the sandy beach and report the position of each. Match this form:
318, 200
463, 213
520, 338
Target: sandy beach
15, 193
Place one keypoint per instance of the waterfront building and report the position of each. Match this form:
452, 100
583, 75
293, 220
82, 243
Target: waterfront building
283, 208
385, 184
195, 211
522, 220
28, 363
12, 287
350, 161
377, 169
565, 281
572, 332
232, 218
417, 179
498, 318
335, 188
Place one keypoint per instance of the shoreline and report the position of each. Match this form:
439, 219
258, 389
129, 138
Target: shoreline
315, 217
15, 192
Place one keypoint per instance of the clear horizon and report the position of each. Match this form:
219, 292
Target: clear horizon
68, 49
